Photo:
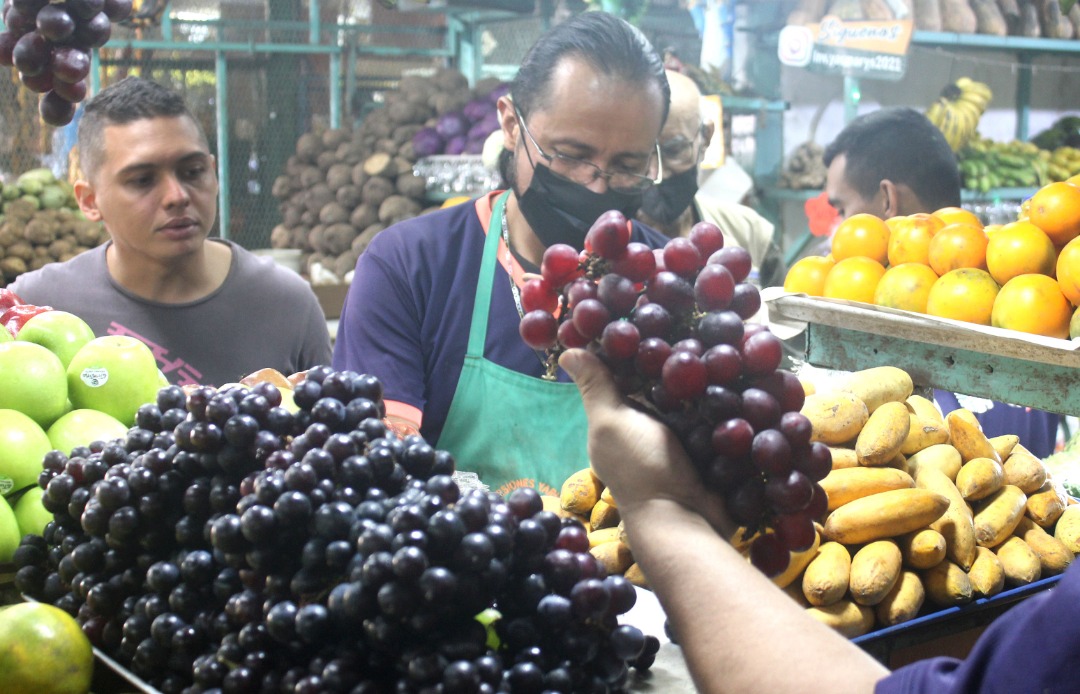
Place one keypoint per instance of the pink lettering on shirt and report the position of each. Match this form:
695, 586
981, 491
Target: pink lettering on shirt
187, 374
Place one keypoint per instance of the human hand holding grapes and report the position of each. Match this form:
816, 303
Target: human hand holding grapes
669, 324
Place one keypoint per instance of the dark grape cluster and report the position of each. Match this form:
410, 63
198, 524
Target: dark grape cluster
230, 544
671, 325
49, 43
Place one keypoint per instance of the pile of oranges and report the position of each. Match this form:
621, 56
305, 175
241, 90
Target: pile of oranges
1023, 276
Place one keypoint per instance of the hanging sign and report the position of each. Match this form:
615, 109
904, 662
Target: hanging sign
877, 50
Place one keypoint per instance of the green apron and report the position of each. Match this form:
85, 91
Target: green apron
512, 429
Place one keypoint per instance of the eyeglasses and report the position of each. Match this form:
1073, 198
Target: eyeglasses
584, 172
679, 152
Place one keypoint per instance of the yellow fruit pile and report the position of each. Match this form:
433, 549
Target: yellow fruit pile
1022, 276
922, 509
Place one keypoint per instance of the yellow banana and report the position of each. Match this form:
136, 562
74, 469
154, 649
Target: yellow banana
933, 114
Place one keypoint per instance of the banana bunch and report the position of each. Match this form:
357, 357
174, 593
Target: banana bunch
1064, 163
957, 112
985, 165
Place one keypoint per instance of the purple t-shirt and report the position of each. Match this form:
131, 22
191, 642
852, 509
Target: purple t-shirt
407, 314
1034, 647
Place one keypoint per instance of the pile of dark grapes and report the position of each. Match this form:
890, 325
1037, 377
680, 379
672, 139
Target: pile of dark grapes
49, 44
671, 326
232, 545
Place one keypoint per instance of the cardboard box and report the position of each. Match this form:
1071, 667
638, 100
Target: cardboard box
331, 297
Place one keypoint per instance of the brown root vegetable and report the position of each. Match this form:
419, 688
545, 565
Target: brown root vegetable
280, 237
300, 238
9, 234
361, 242
290, 215
927, 15
308, 148
60, 247
388, 145
380, 164
989, 19
348, 153
375, 190
39, 262
345, 262
877, 10
309, 176
90, 234
359, 177
308, 218
325, 160
334, 137
407, 151
411, 186
397, 208
338, 238
1055, 24
957, 16
449, 79
39, 232
364, 216
282, 188
11, 267
21, 249
403, 112
1010, 11
318, 197
348, 196
448, 102
338, 175
405, 133
1030, 25
315, 238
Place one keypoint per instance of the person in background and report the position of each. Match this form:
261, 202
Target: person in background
739, 632
434, 306
210, 311
676, 204
895, 162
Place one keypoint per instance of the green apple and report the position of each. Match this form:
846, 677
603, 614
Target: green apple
60, 332
5, 336
30, 514
10, 537
32, 381
23, 445
114, 374
81, 427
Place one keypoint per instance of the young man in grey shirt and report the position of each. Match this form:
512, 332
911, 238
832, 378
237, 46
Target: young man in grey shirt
211, 311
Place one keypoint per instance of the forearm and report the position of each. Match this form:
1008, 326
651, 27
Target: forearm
738, 632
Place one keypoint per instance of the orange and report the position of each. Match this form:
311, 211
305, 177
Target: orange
910, 238
953, 215
965, 294
43, 649
1032, 304
1074, 180
905, 287
861, 234
1019, 248
854, 279
1068, 271
808, 275
1055, 209
956, 246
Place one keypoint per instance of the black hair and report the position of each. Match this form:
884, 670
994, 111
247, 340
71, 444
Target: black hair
609, 44
126, 101
903, 146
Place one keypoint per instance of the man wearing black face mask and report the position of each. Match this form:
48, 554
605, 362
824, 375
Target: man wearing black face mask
675, 204
435, 304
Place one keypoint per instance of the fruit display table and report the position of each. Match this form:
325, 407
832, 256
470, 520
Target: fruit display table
1023, 369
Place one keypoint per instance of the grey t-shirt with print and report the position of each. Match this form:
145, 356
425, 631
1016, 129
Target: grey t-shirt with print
262, 316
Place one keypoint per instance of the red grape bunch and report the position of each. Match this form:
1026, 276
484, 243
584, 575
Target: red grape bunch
671, 326
49, 44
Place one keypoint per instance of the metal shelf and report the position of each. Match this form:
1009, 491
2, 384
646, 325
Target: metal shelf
1016, 44
997, 194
